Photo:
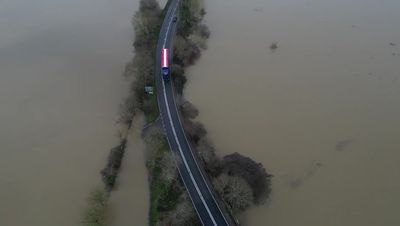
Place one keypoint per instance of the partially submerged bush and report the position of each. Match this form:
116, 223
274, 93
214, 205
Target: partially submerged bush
110, 172
188, 110
203, 31
195, 130
254, 173
191, 13
177, 74
207, 153
146, 23
95, 214
235, 190
186, 52
274, 46
239, 180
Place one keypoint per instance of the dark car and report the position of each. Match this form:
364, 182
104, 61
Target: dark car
174, 19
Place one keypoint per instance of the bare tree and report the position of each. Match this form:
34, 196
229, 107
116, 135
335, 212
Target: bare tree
145, 23
203, 31
195, 130
235, 190
186, 51
254, 173
206, 150
178, 77
198, 40
154, 140
188, 110
183, 215
168, 165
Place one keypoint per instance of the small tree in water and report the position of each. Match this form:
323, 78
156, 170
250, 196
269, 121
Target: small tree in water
273, 46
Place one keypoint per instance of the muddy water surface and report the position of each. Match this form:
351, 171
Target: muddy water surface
129, 204
60, 87
321, 112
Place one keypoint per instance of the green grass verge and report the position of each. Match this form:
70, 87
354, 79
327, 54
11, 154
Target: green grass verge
164, 195
153, 115
163, 199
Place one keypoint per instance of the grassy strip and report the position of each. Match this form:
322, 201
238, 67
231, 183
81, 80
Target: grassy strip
152, 115
163, 199
164, 188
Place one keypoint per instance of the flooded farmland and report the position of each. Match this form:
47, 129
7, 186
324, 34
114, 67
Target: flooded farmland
321, 111
60, 88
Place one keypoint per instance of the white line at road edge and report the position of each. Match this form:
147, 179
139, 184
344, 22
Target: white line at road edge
184, 159
162, 81
165, 40
180, 149
194, 159
169, 26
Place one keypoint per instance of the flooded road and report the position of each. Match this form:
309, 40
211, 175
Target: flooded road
60, 87
321, 112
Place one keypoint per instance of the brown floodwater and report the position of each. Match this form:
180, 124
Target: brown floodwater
321, 112
60, 87
129, 204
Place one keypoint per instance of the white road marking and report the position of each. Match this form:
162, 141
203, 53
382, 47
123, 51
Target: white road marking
169, 26
191, 152
184, 159
179, 146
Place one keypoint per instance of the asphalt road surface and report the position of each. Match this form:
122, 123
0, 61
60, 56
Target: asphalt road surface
195, 182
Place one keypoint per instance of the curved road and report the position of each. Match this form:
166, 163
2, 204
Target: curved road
195, 182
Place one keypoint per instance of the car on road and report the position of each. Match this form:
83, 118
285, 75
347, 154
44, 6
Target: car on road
174, 19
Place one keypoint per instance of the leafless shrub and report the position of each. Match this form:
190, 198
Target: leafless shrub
235, 190
183, 215
186, 51
188, 110
254, 173
110, 171
195, 130
168, 165
203, 31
